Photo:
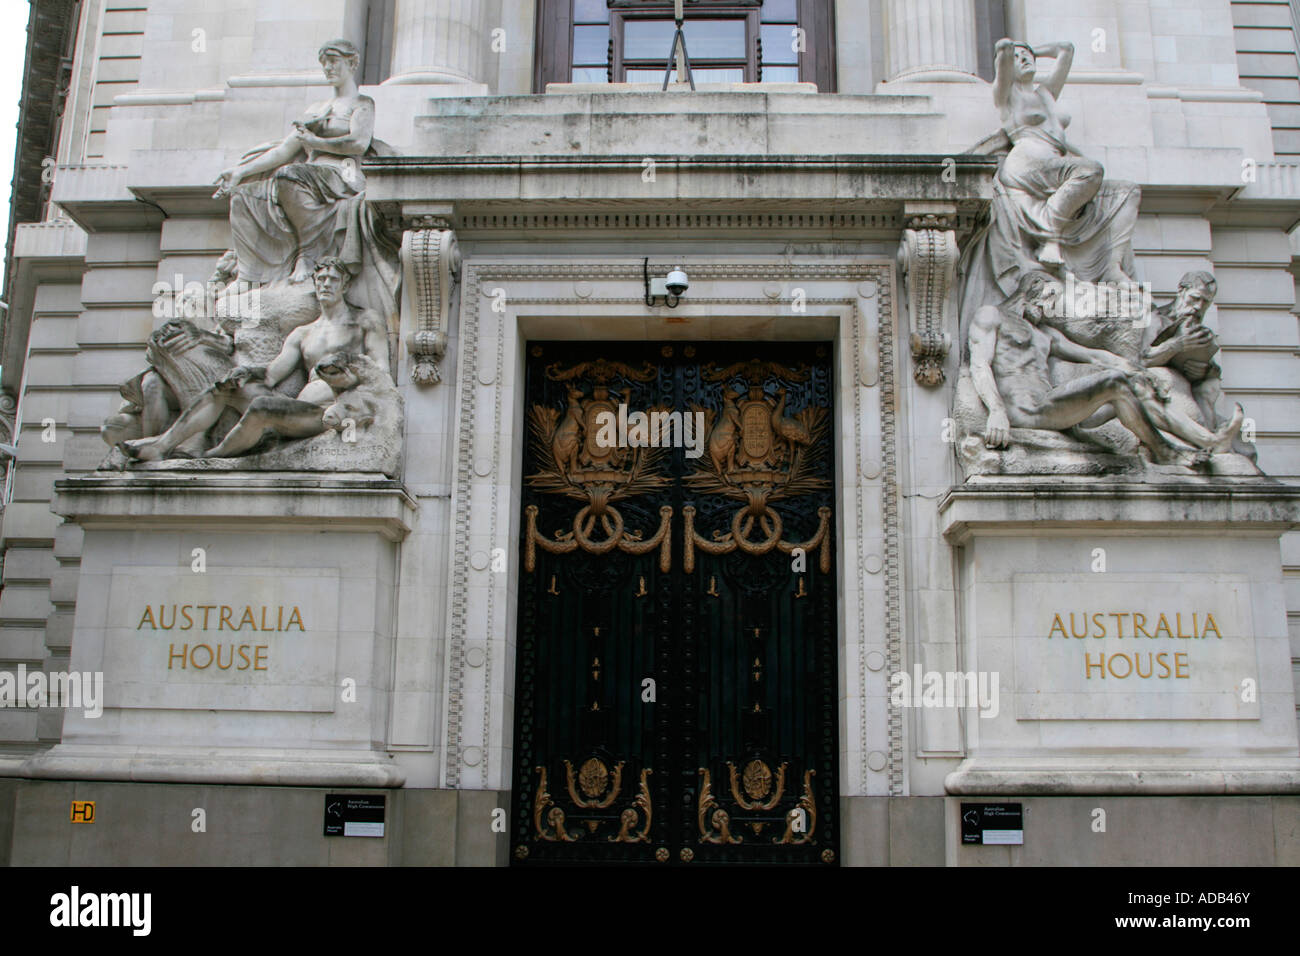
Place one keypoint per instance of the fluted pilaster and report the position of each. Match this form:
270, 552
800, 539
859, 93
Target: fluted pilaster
439, 41
929, 40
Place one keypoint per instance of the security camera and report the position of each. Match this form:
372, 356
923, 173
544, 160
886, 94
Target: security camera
669, 288
676, 282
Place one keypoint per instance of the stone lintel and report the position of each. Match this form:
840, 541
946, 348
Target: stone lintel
239, 501
1183, 504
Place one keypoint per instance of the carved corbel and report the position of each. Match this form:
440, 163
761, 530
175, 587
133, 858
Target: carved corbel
432, 264
927, 259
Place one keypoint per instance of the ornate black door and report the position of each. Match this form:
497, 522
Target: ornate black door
675, 695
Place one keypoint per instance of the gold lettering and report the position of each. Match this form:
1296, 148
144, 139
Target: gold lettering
194, 654
1137, 664
189, 620
225, 666
263, 627
1097, 623
1057, 626
226, 611
248, 616
172, 655
162, 617
1209, 623
257, 657
1088, 665
1163, 660
1140, 628
1180, 663
147, 616
295, 616
1110, 665
1178, 625
1119, 622
206, 608
1164, 625
243, 655
1073, 633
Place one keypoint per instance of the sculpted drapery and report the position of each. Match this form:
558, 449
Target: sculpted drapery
296, 201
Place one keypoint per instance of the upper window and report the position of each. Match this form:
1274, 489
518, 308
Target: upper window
728, 41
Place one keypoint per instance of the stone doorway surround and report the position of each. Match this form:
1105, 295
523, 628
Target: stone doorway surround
508, 301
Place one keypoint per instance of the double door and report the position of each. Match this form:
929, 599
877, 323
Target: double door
675, 699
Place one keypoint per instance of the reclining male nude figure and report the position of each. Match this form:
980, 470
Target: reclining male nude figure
250, 390
1009, 350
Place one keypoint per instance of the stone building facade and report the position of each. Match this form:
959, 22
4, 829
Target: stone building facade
831, 188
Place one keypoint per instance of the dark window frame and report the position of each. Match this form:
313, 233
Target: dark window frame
553, 47
619, 17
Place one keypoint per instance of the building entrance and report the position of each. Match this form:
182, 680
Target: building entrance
675, 697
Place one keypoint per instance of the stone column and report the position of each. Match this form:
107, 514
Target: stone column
439, 41
931, 40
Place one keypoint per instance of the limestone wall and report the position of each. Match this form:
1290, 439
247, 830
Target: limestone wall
1163, 104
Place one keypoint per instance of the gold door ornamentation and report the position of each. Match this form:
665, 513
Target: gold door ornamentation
715, 823
574, 463
758, 455
593, 779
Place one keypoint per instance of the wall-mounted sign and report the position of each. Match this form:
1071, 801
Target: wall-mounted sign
83, 811
993, 824
352, 814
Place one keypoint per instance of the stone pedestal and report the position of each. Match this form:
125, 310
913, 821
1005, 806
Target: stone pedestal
1137, 633
243, 625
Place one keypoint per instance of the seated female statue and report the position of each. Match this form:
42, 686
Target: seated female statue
289, 200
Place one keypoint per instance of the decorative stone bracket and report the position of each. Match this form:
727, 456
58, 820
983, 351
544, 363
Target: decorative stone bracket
927, 259
431, 263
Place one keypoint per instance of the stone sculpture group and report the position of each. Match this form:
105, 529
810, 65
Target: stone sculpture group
288, 362
276, 369
1066, 366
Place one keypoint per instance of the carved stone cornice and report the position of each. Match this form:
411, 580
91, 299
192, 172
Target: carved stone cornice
431, 261
927, 259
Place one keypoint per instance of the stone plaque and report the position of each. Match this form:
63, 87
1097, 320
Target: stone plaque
256, 639
1134, 647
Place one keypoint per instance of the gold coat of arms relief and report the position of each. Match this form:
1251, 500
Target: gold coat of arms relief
575, 463
759, 454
